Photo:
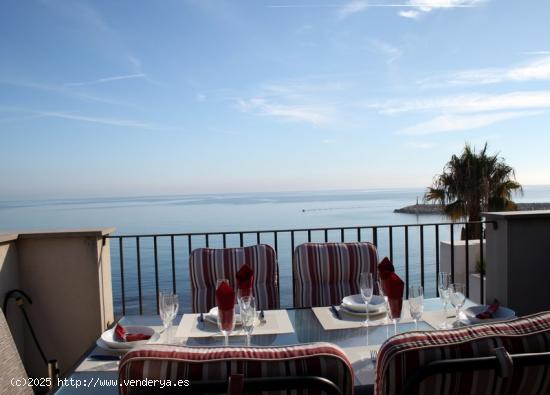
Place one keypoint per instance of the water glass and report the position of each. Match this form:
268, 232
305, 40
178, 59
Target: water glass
226, 323
394, 308
168, 309
444, 282
366, 284
416, 303
248, 316
458, 298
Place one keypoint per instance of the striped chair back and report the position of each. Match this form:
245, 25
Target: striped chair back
323, 273
207, 265
168, 362
402, 355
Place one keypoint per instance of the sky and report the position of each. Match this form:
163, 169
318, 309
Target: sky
124, 98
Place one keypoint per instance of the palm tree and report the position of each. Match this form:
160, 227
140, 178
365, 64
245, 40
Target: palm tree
472, 183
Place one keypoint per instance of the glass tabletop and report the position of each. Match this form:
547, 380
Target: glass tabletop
307, 329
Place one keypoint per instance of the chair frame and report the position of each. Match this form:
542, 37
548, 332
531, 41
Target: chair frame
249, 385
462, 365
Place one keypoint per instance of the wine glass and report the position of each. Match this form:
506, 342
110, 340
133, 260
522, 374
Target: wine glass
168, 309
366, 285
248, 316
458, 298
443, 287
416, 303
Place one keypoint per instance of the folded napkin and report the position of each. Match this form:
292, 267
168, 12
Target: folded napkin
392, 286
245, 279
124, 336
225, 298
490, 311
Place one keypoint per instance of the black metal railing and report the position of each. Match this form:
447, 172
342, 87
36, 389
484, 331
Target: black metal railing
145, 264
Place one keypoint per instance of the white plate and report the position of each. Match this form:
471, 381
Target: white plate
355, 303
104, 346
111, 340
212, 315
468, 316
372, 314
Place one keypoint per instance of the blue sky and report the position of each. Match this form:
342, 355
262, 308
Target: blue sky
105, 98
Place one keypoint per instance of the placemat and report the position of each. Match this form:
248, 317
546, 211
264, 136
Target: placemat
276, 322
329, 321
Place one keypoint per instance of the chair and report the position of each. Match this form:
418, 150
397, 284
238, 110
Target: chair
323, 273
311, 368
510, 357
11, 366
207, 265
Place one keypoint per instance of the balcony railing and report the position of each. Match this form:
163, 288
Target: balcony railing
143, 265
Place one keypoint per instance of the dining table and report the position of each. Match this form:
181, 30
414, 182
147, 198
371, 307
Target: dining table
97, 371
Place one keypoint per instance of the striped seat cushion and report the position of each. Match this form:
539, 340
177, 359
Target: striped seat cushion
403, 354
217, 363
323, 273
207, 265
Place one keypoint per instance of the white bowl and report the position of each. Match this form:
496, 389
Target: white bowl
111, 339
354, 303
468, 316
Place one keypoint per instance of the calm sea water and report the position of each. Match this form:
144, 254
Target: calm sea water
235, 212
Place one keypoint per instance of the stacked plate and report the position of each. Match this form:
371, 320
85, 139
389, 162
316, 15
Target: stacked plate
468, 316
355, 305
110, 342
212, 315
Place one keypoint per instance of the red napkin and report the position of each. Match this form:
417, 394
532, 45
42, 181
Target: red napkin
490, 311
392, 286
245, 279
124, 336
225, 298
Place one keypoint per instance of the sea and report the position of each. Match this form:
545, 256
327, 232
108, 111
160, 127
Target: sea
177, 214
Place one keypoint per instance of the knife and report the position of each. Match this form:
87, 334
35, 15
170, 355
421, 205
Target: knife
336, 312
98, 357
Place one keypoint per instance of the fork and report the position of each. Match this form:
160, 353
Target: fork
373, 355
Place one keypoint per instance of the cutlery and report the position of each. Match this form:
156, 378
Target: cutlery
336, 312
200, 319
97, 357
373, 355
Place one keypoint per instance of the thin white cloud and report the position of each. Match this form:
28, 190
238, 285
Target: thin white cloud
537, 53
453, 122
533, 70
62, 90
32, 113
353, 7
419, 6
426, 6
392, 52
107, 79
411, 14
100, 120
290, 112
471, 103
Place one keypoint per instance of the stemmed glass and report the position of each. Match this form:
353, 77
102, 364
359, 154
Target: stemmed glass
226, 318
168, 309
443, 286
366, 285
416, 303
394, 307
458, 298
248, 315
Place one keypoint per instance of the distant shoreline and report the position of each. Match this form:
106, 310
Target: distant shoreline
437, 209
